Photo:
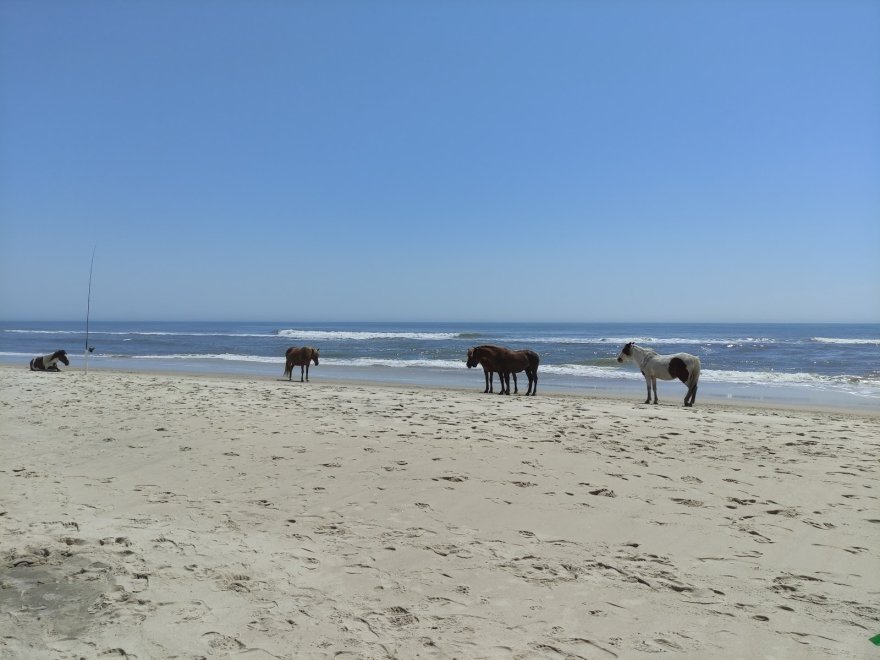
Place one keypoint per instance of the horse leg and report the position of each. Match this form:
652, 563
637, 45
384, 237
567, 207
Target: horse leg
307, 372
690, 396
654, 386
648, 383
302, 371
487, 375
515, 388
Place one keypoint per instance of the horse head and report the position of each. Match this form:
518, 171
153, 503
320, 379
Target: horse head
315, 352
62, 355
625, 352
472, 360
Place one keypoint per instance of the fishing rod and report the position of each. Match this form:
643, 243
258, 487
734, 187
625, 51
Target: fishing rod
89, 309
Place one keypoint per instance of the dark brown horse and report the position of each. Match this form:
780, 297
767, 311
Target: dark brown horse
485, 356
511, 362
299, 357
505, 362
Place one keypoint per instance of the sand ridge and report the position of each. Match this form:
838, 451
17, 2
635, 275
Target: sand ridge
159, 516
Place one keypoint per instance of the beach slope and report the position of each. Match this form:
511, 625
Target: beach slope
160, 516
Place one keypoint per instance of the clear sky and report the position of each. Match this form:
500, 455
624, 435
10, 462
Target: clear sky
459, 160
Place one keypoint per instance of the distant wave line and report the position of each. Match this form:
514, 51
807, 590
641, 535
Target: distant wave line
143, 333
341, 335
840, 340
649, 340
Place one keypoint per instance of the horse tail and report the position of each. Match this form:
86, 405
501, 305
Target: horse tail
695, 372
287, 368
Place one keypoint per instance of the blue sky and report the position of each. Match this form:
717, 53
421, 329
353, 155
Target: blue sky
473, 161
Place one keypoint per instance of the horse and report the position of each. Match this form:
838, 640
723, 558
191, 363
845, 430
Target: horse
50, 362
512, 362
684, 366
486, 356
299, 357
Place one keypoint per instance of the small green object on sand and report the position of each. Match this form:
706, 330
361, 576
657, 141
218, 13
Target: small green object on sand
875, 640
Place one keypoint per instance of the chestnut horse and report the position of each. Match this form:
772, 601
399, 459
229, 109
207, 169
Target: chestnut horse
512, 362
299, 357
485, 356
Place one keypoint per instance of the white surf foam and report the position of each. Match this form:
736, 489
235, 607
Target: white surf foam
647, 341
232, 357
342, 335
842, 340
141, 333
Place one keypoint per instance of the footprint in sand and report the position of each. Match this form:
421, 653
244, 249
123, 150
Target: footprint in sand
686, 502
220, 642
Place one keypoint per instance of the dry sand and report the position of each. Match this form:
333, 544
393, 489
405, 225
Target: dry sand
170, 516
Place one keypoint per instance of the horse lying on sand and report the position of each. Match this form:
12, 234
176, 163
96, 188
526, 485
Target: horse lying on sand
299, 357
684, 366
50, 362
505, 362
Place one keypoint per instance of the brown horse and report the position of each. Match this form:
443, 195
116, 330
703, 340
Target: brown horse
505, 362
299, 357
486, 356
512, 362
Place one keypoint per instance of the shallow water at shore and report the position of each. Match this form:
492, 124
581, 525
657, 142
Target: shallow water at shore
669, 393
836, 366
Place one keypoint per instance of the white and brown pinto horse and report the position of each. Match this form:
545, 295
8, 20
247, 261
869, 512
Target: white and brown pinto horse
683, 366
299, 357
50, 362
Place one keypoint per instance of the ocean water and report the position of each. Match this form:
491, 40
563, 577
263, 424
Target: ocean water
833, 364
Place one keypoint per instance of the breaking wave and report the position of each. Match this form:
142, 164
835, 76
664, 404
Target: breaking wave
697, 341
855, 342
349, 335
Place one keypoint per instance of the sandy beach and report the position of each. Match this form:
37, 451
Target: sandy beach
174, 516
